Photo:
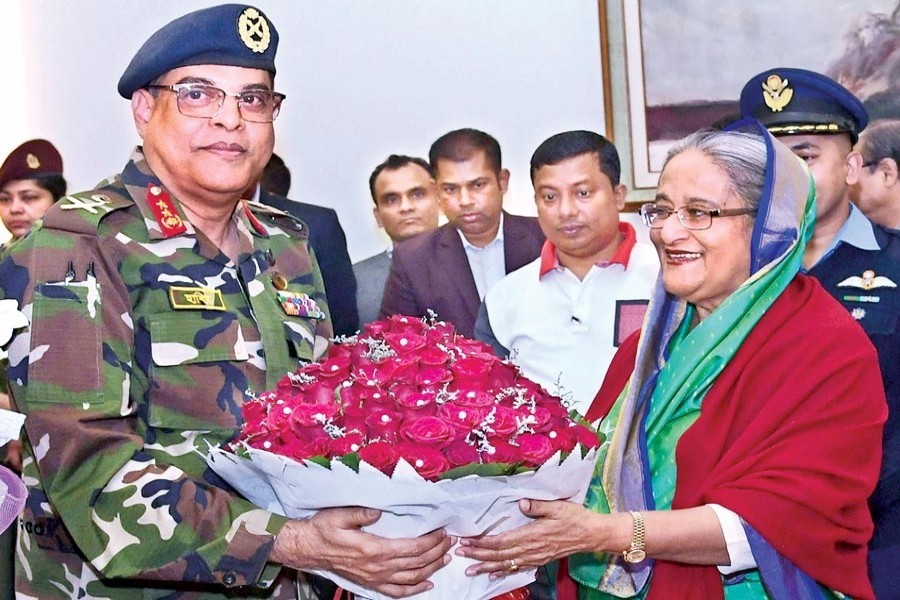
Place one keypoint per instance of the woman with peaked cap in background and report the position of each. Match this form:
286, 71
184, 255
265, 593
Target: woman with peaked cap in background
743, 425
31, 180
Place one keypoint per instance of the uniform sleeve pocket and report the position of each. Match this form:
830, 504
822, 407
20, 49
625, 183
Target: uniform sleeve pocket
65, 359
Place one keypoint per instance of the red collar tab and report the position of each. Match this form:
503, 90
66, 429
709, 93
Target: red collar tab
549, 261
548, 258
623, 252
164, 211
254, 222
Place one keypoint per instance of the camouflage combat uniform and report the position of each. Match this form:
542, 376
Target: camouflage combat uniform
144, 342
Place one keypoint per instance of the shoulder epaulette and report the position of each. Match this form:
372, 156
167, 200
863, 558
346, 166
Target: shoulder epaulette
82, 212
282, 219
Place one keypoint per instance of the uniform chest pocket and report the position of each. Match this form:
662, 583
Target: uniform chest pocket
301, 337
196, 380
875, 319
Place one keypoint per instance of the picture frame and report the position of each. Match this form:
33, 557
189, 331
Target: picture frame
687, 61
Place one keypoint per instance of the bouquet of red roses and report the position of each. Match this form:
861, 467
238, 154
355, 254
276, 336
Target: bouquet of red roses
437, 430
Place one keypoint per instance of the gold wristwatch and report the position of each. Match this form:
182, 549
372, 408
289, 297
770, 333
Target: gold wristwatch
637, 552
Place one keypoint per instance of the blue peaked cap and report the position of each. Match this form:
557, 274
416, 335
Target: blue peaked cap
797, 102
235, 35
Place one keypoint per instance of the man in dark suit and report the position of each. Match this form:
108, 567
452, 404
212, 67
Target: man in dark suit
326, 236
450, 269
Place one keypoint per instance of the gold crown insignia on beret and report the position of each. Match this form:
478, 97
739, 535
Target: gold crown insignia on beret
776, 93
32, 161
254, 30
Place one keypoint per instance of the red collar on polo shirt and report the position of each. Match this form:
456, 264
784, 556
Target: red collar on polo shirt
549, 260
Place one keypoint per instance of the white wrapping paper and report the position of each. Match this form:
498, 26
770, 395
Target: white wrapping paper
410, 505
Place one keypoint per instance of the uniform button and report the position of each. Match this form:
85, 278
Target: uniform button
229, 578
270, 258
279, 282
155, 190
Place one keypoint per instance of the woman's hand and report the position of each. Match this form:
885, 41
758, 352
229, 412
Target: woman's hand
560, 528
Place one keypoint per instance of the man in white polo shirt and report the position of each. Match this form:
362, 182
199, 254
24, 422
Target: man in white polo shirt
562, 316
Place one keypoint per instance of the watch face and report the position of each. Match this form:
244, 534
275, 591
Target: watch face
635, 556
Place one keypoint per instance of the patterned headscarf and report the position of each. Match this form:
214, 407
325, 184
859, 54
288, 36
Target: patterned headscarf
676, 365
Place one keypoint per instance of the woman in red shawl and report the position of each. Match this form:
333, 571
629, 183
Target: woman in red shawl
743, 426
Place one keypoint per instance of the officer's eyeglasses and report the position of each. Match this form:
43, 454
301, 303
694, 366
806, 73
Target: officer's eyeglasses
690, 217
205, 101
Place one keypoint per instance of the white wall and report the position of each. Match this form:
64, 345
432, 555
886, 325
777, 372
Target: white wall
364, 78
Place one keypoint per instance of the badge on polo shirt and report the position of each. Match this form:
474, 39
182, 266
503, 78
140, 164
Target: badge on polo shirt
196, 298
298, 304
629, 318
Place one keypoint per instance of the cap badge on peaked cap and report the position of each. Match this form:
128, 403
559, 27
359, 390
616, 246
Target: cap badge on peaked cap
254, 30
776, 93
32, 161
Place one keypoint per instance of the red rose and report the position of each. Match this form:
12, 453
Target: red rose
504, 421
254, 412
404, 324
474, 398
432, 377
459, 453
320, 392
441, 332
433, 357
382, 424
535, 449
465, 418
380, 455
375, 329
415, 405
501, 451
352, 442
561, 438
538, 418
361, 391
584, 435
404, 343
299, 449
335, 367
503, 374
405, 369
428, 462
311, 415
471, 368
279, 417
431, 431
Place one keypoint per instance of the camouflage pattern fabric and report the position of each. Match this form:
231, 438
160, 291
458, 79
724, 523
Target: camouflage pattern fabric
143, 346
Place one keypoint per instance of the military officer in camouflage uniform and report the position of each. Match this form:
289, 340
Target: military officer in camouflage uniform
158, 303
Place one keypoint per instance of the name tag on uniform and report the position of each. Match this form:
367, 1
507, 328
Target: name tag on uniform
196, 298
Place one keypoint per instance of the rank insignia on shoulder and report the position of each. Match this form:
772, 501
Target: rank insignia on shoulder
868, 281
196, 298
299, 305
170, 223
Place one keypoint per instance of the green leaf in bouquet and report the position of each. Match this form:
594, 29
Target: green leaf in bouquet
486, 470
351, 460
320, 460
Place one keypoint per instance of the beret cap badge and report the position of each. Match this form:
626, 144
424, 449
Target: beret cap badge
254, 30
32, 161
776, 93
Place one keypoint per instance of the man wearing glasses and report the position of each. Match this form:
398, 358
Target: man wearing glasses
857, 261
159, 303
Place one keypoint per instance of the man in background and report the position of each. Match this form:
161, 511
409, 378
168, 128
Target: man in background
876, 187
406, 204
589, 289
450, 269
857, 261
329, 244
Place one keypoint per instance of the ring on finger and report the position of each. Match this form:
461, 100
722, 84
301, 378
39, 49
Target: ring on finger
513, 567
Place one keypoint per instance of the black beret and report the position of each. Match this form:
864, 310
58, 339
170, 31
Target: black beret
33, 158
236, 35
796, 102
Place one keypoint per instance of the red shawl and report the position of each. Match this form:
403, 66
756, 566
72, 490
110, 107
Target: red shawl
788, 437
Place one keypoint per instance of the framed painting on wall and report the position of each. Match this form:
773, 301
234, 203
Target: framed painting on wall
687, 60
